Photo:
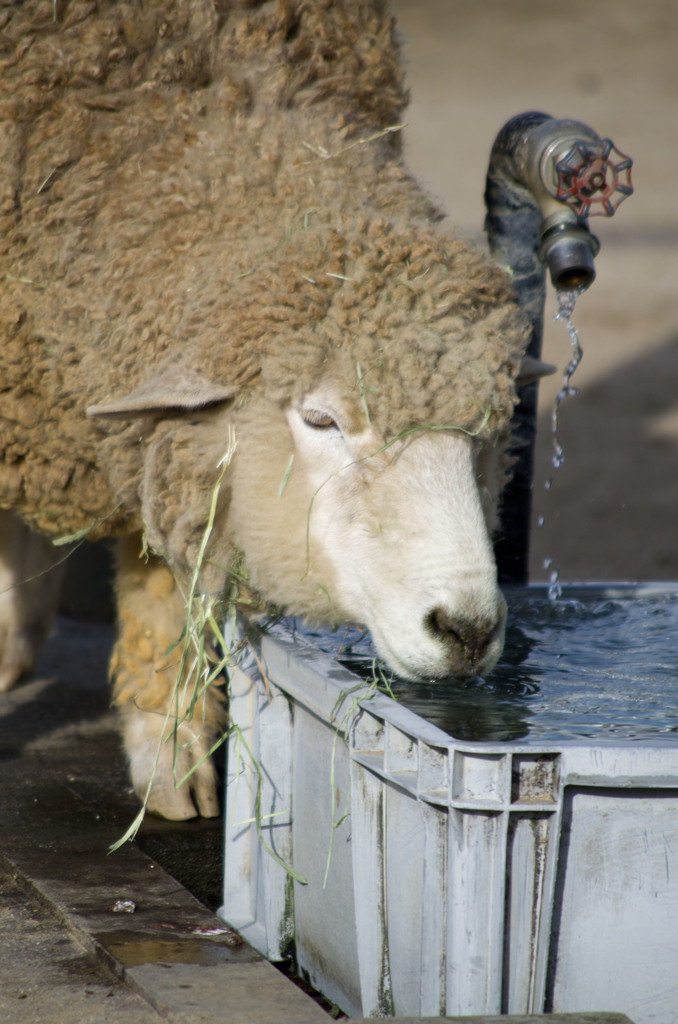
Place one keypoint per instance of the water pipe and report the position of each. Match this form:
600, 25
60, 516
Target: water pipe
546, 177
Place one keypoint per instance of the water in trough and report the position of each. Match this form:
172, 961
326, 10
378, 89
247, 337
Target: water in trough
598, 663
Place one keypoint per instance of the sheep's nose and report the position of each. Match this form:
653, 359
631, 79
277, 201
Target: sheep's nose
467, 640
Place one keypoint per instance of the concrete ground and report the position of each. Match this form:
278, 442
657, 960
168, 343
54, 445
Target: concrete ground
612, 510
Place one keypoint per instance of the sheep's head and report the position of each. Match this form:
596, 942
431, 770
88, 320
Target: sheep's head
350, 504
387, 533
369, 446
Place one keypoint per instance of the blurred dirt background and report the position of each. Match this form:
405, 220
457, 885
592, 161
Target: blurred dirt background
612, 512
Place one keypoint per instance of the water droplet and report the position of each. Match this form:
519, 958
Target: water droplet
540, 520
555, 590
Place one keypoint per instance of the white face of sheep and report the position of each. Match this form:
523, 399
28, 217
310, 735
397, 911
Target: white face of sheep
338, 525
404, 530
390, 536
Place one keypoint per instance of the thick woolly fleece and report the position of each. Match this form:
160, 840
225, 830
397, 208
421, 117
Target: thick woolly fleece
215, 188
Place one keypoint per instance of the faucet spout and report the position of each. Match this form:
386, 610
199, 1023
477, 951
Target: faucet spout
569, 251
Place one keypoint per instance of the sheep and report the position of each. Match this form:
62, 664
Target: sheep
210, 245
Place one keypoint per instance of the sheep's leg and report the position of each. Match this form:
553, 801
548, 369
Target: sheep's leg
161, 743
29, 590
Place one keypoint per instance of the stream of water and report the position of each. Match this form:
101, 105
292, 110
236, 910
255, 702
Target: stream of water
567, 299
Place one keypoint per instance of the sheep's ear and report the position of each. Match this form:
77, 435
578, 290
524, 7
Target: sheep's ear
532, 369
176, 388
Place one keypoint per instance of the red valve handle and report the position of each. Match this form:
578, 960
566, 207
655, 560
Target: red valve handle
591, 180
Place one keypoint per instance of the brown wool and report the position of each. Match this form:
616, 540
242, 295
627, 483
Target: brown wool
216, 187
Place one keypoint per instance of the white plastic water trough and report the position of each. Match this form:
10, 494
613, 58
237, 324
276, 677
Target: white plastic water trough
441, 876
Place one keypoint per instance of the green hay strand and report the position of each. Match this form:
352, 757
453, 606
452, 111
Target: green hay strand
286, 476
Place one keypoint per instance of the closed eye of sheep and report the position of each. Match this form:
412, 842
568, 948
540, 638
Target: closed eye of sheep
207, 232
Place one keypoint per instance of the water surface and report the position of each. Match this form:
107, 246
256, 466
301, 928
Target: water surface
597, 664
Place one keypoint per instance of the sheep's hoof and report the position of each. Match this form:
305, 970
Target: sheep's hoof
162, 760
17, 660
179, 803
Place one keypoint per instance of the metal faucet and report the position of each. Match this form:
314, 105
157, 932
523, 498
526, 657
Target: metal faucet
545, 179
